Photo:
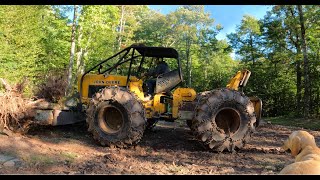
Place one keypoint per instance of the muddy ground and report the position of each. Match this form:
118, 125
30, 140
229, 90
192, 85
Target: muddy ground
169, 149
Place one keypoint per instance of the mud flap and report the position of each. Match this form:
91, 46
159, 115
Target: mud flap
257, 104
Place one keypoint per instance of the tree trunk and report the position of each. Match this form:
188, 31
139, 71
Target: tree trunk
253, 59
299, 76
299, 87
206, 67
80, 62
190, 73
318, 102
73, 47
306, 64
298, 66
251, 50
188, 46
121, 28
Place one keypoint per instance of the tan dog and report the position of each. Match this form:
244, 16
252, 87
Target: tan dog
307, 155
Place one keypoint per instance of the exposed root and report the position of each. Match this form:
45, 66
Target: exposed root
15, 111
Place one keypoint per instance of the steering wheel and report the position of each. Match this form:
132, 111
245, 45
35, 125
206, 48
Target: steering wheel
143, 75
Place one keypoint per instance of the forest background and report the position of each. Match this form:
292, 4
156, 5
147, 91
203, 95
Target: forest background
282, 50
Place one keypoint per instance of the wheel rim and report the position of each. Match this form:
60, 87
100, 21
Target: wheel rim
110, 120
228, 120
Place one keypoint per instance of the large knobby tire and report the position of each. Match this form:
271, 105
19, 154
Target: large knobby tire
116, 118
197, 99
224, 119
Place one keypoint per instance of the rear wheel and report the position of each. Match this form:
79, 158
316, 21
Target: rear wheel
224, 120
197, 99
116, 118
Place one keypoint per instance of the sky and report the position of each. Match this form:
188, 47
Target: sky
229, 16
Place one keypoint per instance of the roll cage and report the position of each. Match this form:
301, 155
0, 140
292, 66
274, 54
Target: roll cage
136, 51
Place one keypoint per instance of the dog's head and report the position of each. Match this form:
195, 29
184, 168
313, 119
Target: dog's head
297, 141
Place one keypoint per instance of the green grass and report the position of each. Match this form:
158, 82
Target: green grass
41, 160
70, 156
312, 123
47, 160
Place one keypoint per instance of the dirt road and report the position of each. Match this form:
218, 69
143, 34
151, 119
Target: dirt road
169, 149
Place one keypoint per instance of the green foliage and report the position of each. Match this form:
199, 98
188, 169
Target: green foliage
20, 46
246, 40
274, 56
32, 42
96, 28
35, 40
155, 30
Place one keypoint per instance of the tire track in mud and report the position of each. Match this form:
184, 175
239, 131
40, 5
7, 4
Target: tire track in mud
169, 148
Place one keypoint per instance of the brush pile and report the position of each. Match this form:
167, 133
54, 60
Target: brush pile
14, 109
53, 88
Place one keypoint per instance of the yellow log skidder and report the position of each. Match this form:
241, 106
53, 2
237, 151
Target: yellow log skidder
113, 93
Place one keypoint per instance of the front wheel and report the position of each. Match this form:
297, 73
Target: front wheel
116, 118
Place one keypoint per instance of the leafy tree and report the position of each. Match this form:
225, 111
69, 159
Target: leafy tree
26, 36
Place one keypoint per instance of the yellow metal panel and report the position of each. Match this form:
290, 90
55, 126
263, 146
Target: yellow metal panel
180, 95
240, 79
149, 108
158, 107
101, 80
154, 107
257, 104
136, 87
